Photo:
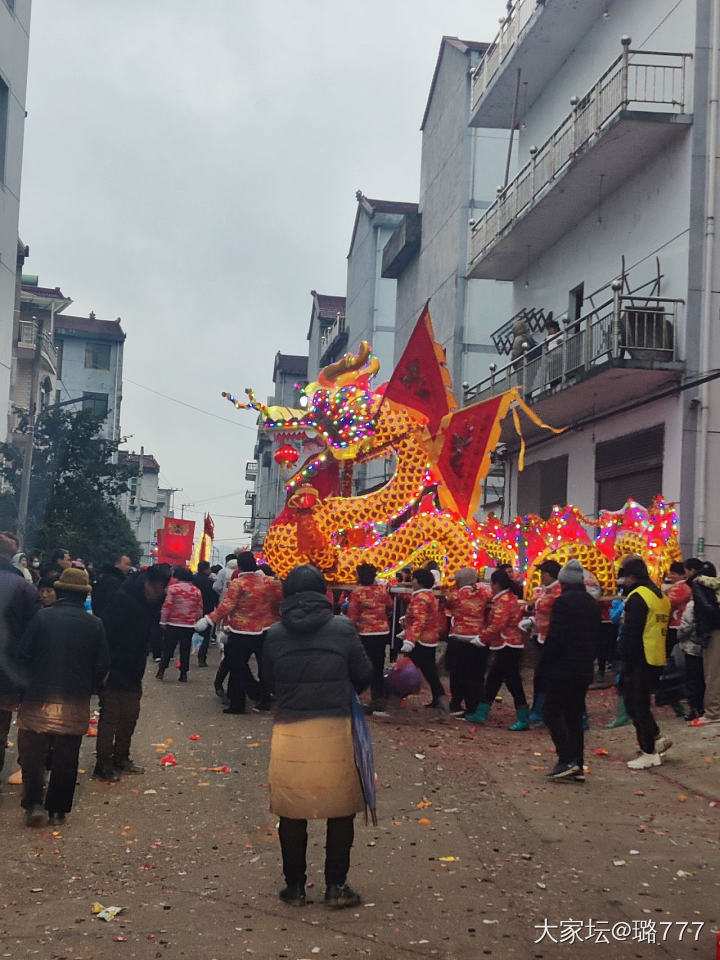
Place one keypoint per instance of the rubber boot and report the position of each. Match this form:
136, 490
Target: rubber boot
536, 714
523, 720
621, 718
480, 714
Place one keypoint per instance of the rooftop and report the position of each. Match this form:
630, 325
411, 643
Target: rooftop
464, 46
148, 461
98, 329
371, 207
290, 363
325, 308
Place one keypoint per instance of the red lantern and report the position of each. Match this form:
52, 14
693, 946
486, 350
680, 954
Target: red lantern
286, 456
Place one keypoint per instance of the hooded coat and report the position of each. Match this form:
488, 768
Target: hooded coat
311, 657
19, 602
111, 579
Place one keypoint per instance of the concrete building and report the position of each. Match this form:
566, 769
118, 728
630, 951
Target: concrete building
89, 366
14, 42
608, 223
370, 299
267, 498
428, 253
146, 503
327, 336
33, 331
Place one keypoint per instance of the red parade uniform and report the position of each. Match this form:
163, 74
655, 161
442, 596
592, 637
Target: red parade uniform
182, 606
468, 607
244, 608
368, 608
421, 619
502, 628
544, 600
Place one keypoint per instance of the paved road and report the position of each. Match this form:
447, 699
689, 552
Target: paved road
192, 855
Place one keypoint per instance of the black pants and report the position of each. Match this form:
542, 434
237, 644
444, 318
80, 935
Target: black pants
205, 645
694, 682
636, 685
157, 641
466, 665
505, 668
222, 671
119, 712
424, 660
5, 721
239, 647
606, 644
563, 715
173, 637
375, 649
293, 843
64, 750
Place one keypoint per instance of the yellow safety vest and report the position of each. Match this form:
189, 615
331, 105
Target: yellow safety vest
656, 626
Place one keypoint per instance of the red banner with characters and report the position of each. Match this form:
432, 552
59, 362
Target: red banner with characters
175, 541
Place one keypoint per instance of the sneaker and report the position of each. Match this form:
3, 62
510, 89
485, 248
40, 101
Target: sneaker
127, 766
56, 819
34, 817
579, 777
645, 761
702, 721
183, 676
339, 895
293, 895
662, 744
106, 774
564, 771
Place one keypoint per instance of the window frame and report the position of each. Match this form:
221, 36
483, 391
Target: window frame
93, 345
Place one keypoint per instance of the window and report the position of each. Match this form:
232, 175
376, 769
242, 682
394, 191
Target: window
97, 356
541, 485
4, 100
630, 467
96, 404
133, 490
59, 351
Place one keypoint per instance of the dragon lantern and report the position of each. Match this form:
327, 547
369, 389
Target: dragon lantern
440, 456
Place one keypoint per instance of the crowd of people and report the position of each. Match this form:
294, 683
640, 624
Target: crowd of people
69, 636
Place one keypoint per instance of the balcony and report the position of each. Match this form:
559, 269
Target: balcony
624, 348
634, 110
248, 526
251, 470
249, 498
535, 38
333, 341
27, 341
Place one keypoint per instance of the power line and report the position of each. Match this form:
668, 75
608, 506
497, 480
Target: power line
165, 396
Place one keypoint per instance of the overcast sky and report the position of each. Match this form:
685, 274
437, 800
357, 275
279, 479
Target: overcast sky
191, 167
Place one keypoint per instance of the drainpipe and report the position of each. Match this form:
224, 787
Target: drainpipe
706, 312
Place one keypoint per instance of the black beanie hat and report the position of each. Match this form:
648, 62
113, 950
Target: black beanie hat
303, 579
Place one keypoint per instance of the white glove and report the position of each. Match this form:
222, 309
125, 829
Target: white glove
407, 647
202, 625
527, 625
477, 642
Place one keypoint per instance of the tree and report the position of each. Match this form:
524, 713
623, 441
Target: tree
73, 488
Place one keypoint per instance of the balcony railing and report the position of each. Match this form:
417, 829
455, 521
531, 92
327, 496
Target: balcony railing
635, 330
510, 29
251, 469
248, 526
333, 340
28, 336
640, 79
249, 498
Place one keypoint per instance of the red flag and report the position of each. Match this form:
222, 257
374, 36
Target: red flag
209, 527
175, 546
462, 452
421, 381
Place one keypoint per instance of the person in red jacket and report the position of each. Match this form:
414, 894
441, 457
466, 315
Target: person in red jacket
504, 638
368, 608
466, 654
421, 634
183, 605
244, 610
539, 624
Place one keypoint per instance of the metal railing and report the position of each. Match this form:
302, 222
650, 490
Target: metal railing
336, 328
631, 329
650, 80
28, 335
248, 526
507, 36
251, 469
249, 498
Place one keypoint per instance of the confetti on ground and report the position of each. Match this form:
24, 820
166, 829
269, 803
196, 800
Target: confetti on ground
168, 760
222, 769
423, 821
105, 913
194, 736
602, 752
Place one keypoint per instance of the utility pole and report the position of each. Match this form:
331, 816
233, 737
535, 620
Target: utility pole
30, 436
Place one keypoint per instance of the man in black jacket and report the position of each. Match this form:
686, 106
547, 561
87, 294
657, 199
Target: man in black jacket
111, 579
204, 582
645, 603
64, 658
19, 602
566, 669
129, 618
